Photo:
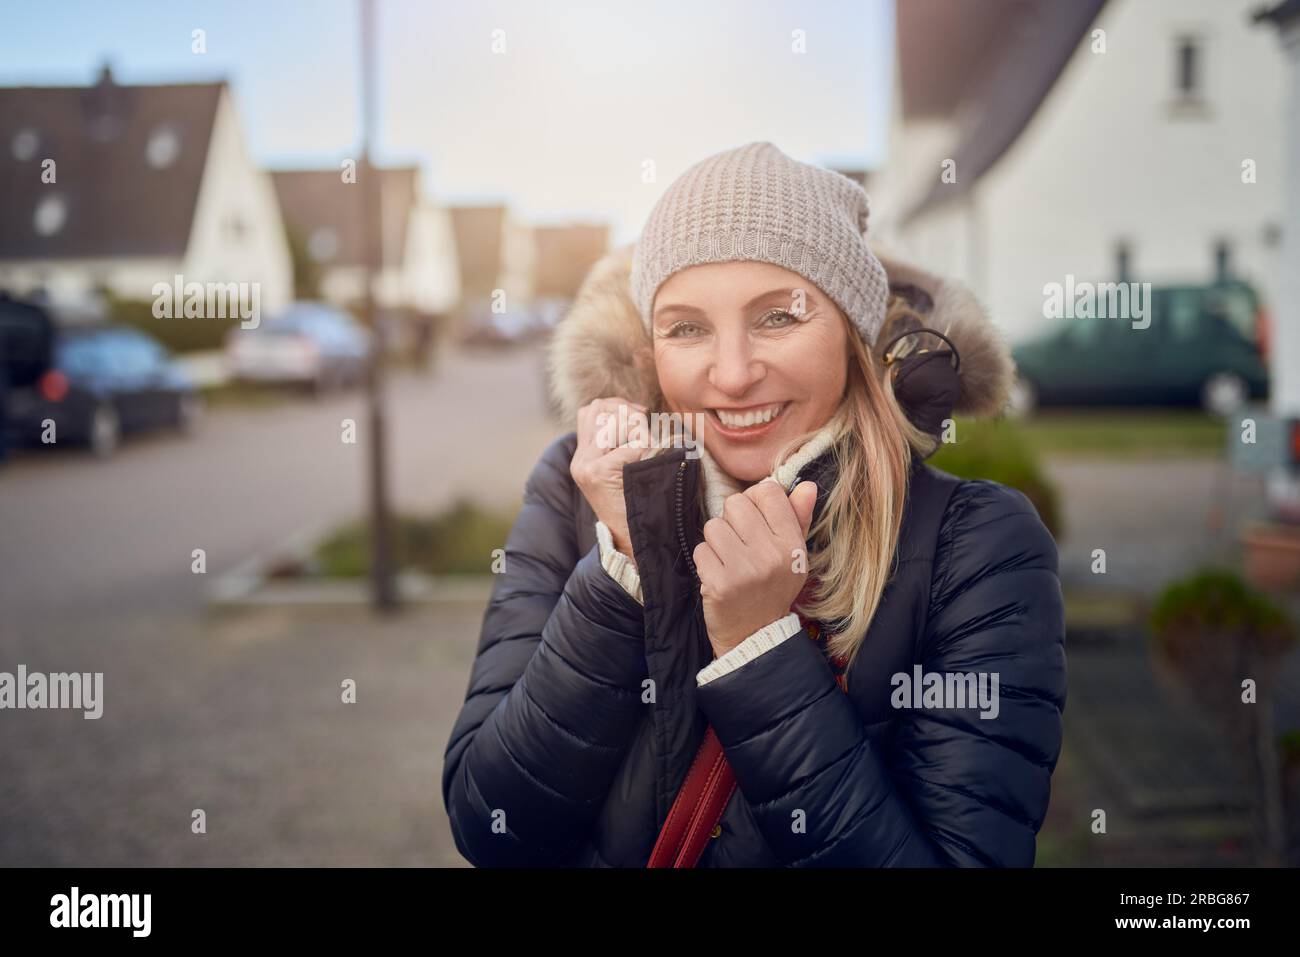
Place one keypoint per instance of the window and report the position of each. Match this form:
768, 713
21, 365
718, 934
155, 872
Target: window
50, 215
1183, 314
1188, 65
1123, 255
164, 146
25, 144
1222, 260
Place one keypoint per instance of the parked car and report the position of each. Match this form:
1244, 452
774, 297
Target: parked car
102, 381
309, 343
1205, 345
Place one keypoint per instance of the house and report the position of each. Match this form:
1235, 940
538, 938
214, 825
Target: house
418, 270
1284, 356
1033, 140
121, 187
525, 262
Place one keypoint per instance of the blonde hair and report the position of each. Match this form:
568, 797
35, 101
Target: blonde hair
853, 542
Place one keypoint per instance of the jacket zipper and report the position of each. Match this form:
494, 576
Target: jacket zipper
681, 524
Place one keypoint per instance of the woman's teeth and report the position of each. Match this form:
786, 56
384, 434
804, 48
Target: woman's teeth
741, 420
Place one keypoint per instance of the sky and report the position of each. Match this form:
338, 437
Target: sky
561, 120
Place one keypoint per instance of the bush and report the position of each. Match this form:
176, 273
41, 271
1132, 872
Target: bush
997, 449
178, 335
459, 541
1211, 631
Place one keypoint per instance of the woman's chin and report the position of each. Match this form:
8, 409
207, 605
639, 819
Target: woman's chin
744, 465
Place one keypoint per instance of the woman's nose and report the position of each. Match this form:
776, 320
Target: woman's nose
735, 368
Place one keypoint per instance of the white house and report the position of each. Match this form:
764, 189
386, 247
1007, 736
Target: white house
122, 187
417, 263
1088, 138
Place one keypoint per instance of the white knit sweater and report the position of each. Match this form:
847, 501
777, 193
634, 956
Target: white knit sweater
717, 486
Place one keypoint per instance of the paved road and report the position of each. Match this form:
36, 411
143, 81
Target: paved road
241, 715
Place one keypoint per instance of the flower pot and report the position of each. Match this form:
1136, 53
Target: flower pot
1271, 554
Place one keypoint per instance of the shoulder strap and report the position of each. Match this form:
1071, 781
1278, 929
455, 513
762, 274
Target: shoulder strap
698, 808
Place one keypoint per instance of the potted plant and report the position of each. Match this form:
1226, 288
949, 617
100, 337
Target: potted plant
1213, 634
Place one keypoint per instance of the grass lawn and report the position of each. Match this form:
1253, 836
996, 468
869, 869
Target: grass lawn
1125, 432
249, 395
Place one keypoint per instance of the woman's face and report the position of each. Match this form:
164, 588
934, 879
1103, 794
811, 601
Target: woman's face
760, 350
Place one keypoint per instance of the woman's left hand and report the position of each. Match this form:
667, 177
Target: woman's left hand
753, 560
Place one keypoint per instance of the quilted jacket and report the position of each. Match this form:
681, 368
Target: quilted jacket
583, 711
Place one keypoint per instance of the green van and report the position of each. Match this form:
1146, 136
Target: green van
1204, 345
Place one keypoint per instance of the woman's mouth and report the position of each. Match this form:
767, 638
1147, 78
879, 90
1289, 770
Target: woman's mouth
751, 422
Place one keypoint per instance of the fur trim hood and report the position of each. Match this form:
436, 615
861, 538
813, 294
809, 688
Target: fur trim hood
601, 347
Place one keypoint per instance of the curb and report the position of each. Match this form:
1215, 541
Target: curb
250, 583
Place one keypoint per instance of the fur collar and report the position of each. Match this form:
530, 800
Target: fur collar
601, 348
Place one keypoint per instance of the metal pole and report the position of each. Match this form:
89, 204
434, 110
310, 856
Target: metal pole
383, 592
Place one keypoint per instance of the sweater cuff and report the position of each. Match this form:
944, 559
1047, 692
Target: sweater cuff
765, 639
618, 565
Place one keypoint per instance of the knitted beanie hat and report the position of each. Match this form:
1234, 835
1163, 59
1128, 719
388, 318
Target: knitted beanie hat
756, 203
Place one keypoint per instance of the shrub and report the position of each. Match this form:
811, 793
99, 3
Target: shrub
178, 335
997, 449
458, 541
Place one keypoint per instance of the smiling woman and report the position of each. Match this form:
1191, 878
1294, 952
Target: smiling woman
689, 664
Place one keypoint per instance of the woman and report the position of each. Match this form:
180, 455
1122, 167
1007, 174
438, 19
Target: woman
661, 595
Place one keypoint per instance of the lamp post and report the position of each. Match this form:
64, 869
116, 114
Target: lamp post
383, 590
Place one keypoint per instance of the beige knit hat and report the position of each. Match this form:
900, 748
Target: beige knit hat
755, 203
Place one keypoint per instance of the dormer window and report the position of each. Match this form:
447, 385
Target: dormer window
323, 244
164, 147
25, 144
51, 213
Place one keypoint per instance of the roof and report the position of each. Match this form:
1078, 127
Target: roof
327, 214
989, 73
128, 164
942, 44
1280, 15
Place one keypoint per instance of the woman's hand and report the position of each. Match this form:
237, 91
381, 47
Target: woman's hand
753, 560
597, 468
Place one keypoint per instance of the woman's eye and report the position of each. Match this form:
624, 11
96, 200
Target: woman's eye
684, 330
779, 319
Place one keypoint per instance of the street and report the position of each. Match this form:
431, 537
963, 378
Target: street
241, 716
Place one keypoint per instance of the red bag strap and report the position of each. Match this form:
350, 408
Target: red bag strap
704, 794
698, 807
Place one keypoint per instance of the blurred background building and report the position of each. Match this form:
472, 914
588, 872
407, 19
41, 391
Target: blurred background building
146, 182
1100, 138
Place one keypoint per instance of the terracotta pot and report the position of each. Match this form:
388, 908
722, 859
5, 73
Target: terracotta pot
1272, 556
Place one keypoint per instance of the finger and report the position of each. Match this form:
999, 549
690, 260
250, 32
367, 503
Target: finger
775, 507
707, 563
726, 543
623, 455
803, 498
618, 421
743, 516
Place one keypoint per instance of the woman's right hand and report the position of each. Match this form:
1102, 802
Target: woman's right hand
598, 471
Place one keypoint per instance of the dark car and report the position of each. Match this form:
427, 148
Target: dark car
102, 381
1204, 346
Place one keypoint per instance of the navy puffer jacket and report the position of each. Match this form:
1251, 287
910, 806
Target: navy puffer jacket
583, 713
